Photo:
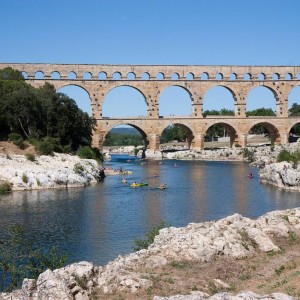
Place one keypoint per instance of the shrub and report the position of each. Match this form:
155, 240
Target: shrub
78, 168
30, 156
5, 187
149, 237
87, 152
285, 155
24, 178
48, 145
17, 139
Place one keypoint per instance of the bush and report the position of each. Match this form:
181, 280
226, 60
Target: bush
87, 152
48, 145
30, 156
285, 155
24, 178
149, 237
78, 168
5, 187
17, 139
22, 258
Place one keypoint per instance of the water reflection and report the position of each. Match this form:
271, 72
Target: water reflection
99, 222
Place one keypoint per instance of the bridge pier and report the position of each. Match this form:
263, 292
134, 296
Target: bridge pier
197, 142
154, 141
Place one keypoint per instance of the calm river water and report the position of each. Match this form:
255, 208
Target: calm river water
99, 222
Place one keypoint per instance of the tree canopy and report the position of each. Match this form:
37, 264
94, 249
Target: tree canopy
36, 113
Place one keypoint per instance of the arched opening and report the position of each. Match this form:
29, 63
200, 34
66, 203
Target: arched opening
102, 76
124, 101
262, 133
25, 75
145, 76
219, 76
39, 75
87, 75
177, 135
175, 101
261, 101
55, 75
204, 76
116, 76
126, 135
294, 133
247, 76
275, 76
79, 95
160, 76
175, 76
190, 76
219, 135
72, 75
288, 76
131, 76
232, 76
261, 76
218, 100
294, 101
298, 76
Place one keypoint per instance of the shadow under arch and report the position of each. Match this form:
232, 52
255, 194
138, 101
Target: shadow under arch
220, 134
294, 132
217, 91
263, 133
132, 96
166, 101
177, 133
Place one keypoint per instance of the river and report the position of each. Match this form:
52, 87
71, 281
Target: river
99, 222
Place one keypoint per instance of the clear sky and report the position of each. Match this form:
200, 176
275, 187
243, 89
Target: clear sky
193, 32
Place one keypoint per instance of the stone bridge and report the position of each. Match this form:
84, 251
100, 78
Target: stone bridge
151, 80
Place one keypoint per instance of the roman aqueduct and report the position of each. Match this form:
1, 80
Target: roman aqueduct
151, 80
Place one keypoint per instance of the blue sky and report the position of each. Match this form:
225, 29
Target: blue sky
193, 32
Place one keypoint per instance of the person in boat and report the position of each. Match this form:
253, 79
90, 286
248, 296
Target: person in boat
175, 166
124, 180
155, 175
142, 181
250, 175
162, 186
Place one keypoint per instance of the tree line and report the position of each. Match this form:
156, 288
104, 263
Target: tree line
41, 113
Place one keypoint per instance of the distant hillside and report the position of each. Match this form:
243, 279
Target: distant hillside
127, 130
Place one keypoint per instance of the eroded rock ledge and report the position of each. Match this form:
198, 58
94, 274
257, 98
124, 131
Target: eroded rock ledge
234, 236
60, 170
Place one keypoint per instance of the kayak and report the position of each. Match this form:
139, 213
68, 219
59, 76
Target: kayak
139, 184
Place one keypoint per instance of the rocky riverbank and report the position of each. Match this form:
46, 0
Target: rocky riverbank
40, 172
210, 260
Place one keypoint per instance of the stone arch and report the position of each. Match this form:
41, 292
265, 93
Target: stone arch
141, 130
132, 94
116, 76
190, 76
187, 133
160, 76
102, 75
55, 75
145, 76
87, 75
39, 75
247, 76
261, 76
288, 76
294, 132
265, 129
233, 76
214, 131
166, 106
275, 76
294, 98
79, 94
174, 76
204, 76
258, 93
72, 75
131, 76
219, 76
217, 92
